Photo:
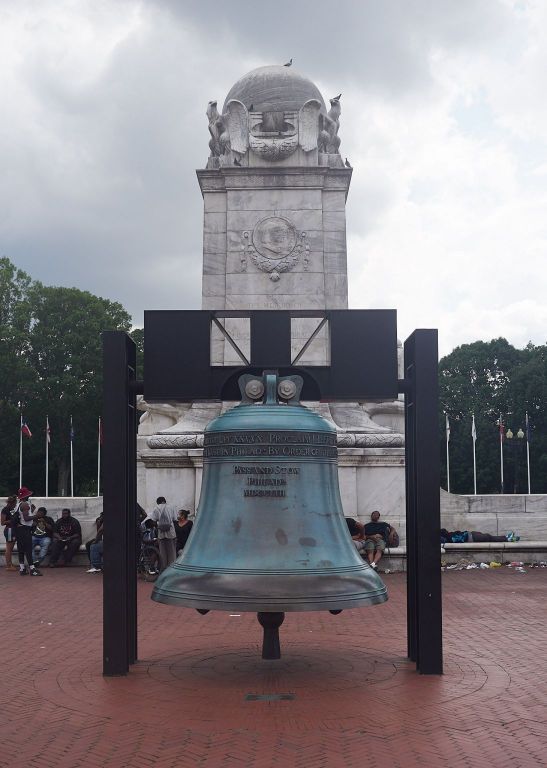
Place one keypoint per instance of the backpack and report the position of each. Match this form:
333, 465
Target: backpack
393, 537
164, 523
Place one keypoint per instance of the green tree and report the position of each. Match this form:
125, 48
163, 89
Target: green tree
54, 353
66, 357
488, 379
15, 321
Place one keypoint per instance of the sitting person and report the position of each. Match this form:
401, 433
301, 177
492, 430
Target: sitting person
67, 537
96, 554
376, 538
98, 536
357, 533
42, 533
183, 526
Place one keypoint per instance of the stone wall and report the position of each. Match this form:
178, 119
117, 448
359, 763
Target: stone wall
495, 514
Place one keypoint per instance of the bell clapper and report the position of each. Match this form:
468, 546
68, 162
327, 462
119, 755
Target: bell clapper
203, 611
335, 613
271, 622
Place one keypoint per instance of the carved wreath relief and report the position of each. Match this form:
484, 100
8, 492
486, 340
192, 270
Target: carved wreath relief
275, 246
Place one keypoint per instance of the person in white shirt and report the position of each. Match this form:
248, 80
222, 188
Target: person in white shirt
165, 518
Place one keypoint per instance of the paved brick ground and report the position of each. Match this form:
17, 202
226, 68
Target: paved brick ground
357, 702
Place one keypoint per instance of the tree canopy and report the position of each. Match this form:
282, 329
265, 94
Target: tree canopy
51, 358
51, 362
488, 379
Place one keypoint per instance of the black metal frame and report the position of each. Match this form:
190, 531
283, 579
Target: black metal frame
119, 503
422, 469
346, 378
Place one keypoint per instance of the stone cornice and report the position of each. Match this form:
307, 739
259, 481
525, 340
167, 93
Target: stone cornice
318, 177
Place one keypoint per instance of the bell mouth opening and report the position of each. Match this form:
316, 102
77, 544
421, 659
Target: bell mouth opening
265, 592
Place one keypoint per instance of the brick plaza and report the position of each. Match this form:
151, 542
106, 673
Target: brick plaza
355, 698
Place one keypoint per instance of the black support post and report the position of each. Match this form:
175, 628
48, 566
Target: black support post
119, 504
424, 600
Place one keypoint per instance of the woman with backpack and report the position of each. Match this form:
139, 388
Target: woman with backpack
23, 517
9, 530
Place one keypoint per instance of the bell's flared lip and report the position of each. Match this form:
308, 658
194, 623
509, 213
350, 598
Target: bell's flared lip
286, 591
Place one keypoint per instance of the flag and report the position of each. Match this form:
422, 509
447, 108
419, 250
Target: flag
502, 429
447, 428
101, 435
48, 431
474, 430
71, 430
528, 430
25, 429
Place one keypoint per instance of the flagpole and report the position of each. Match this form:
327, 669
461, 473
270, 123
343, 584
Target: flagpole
21, 450
47, 456
501, 454
99, 459
474, 435
71, 461
528, 450
447, 454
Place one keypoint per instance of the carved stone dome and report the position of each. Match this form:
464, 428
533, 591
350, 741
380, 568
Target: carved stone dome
274, 89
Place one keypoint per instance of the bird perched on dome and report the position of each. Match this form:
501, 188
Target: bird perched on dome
288, 64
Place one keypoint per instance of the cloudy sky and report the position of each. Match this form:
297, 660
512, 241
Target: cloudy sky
444, 121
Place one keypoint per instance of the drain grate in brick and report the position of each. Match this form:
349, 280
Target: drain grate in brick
270, 696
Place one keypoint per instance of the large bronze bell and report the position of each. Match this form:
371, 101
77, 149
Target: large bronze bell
270, 534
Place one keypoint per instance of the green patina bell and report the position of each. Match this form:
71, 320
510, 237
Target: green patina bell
270, 534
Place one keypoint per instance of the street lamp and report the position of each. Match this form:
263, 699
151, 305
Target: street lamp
515, 448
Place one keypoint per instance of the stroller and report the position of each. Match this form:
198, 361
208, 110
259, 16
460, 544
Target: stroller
149, 553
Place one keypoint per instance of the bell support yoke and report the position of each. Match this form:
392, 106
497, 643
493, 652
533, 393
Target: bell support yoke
363, 366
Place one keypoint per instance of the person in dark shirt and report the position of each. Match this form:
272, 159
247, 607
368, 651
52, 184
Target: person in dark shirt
183, 526
67, 537
9, 531
376, 536
42, 533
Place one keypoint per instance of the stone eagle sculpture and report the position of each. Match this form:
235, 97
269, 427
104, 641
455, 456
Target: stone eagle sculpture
329, 141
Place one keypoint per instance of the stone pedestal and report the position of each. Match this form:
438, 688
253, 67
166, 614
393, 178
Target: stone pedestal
274, 237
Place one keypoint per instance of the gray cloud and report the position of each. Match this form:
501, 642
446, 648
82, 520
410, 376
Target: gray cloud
383, 46
104, 127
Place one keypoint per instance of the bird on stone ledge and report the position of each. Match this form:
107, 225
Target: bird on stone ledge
288, 64
236, 161
347, 163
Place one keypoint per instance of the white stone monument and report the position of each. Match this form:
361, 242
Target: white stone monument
274, 237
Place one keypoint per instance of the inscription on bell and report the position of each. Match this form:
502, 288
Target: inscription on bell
282, 444
233, 438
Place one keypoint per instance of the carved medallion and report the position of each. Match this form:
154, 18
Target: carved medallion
275, 245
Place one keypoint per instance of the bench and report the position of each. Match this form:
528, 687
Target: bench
394, 558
